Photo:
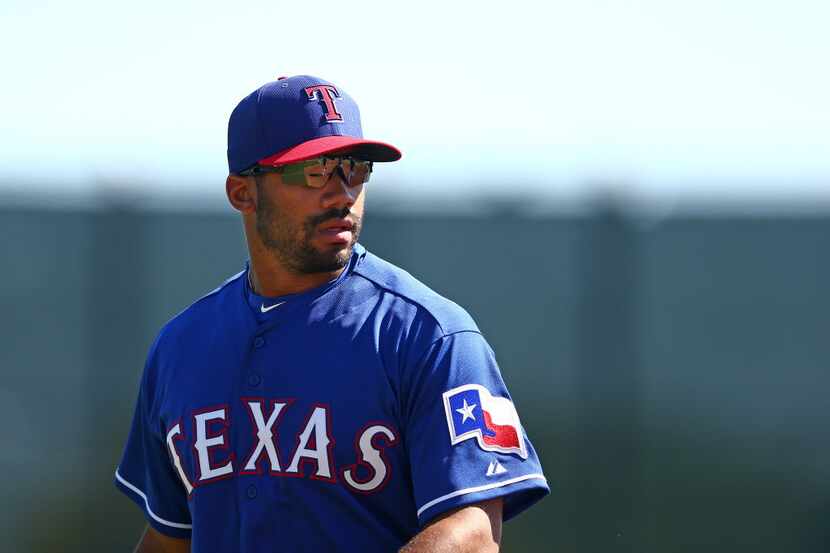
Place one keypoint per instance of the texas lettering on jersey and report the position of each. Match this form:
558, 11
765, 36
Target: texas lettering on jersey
209, 442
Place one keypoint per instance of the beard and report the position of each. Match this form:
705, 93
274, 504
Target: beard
291, 242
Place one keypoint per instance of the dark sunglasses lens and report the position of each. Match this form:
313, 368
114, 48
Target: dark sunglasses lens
360, 172
316, 173
293, 174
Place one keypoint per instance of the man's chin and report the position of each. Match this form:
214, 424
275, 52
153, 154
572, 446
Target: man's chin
330, 259
341, 257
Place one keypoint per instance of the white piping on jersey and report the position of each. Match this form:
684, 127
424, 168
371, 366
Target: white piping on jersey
465, 491
149, 510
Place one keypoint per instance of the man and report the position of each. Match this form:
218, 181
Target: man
322, 399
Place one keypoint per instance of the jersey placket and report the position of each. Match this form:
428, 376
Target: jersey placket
260, 493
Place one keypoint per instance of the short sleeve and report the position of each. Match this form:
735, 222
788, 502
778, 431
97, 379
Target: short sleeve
462, 432
146, 473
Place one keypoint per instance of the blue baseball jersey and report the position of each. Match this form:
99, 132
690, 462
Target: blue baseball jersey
344, 418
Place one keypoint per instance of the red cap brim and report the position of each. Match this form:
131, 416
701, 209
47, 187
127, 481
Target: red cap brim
369, 150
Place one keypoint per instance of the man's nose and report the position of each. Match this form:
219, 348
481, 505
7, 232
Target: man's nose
338, 192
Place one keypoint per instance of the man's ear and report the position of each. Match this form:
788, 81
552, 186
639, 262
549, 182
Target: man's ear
241, 193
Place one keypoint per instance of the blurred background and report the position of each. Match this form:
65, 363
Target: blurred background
631, 198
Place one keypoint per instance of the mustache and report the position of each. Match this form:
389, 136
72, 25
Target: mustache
343, 213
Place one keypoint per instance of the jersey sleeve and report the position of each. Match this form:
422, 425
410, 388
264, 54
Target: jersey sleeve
147, 475
462, 432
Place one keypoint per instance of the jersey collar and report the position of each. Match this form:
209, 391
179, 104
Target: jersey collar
266, 308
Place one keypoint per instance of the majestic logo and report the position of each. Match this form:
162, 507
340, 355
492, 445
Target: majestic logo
495, 468
327, 94
472, 412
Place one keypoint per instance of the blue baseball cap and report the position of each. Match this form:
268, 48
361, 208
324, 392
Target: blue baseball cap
297, 118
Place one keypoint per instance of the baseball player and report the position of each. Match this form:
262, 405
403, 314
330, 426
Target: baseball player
322, 399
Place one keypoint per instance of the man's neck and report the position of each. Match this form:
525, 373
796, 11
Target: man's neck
269, 278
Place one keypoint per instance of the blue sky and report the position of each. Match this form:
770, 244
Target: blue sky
661, 99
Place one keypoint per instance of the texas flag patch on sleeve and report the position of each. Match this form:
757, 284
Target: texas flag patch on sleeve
472, 412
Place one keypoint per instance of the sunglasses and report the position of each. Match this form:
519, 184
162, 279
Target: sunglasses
315, 173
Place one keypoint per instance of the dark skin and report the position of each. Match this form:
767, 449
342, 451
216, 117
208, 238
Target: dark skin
296, 241
154, 541
277, 216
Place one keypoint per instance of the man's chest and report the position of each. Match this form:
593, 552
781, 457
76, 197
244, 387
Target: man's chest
282, 403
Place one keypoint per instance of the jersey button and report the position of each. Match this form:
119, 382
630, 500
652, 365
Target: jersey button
254, 380
259, 341
251, 491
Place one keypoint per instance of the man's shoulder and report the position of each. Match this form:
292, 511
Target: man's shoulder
205, 314
406, 290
